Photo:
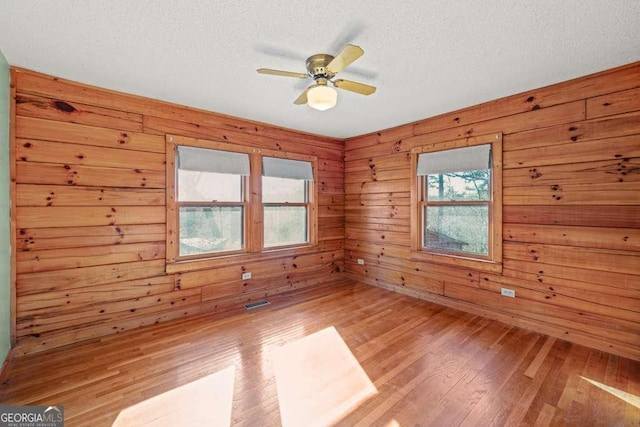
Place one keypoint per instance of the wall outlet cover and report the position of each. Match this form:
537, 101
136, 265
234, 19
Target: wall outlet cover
508, 292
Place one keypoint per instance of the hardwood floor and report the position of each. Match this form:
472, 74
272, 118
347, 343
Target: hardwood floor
345, 354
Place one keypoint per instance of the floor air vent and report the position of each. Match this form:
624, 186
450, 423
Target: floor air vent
256, 304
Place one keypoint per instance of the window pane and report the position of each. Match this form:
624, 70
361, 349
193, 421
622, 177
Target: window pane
196, 186
205, 229
470, 185
283, 190
462, 228
285, 225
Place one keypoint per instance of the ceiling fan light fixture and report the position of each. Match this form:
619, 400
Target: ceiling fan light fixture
322, 97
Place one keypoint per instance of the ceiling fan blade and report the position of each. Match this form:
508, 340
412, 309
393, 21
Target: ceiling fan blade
349, 54
282, 73
302, 99
356, 87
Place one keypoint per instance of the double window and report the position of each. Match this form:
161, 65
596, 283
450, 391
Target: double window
224, 202
458, 209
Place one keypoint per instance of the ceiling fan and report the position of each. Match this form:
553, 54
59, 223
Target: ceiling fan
322, 68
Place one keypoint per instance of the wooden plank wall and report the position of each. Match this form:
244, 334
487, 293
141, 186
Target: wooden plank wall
571, 211
90, 196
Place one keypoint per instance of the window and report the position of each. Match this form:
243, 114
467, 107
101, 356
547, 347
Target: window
222, 202
285, 197
458, 210
211, 201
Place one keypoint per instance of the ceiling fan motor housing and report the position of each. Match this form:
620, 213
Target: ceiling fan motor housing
317, 65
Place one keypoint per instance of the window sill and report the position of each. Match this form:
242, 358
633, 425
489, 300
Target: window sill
181, 266
457, 261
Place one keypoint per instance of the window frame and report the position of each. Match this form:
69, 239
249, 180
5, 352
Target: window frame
308, 190
253, 233
493, 260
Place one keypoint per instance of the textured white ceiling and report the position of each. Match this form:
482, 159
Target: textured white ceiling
426, 57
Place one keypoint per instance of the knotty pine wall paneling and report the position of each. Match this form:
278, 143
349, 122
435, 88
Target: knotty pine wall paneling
90, 196
571, 214
90, 185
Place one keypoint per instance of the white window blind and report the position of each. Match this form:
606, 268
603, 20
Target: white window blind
286, 168
207, 160
477, 157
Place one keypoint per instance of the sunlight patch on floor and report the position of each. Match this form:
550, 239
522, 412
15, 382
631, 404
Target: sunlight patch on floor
204, 402
631, 399
319, 380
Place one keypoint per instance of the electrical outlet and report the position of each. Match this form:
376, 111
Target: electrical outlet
246, 276
360, 261
508, 292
